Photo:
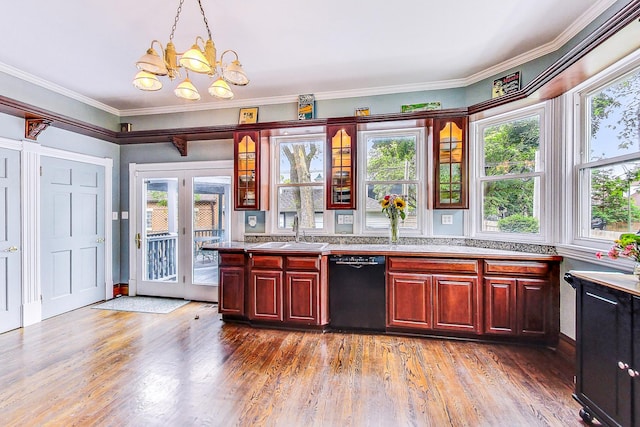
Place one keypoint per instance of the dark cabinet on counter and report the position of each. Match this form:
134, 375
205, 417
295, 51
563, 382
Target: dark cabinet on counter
607, 347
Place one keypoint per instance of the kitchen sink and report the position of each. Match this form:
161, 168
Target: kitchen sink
292, 246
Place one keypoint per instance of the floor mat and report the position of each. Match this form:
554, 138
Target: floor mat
142, 304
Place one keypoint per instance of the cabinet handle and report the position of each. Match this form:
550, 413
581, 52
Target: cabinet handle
623, 365
632, 373
12, 249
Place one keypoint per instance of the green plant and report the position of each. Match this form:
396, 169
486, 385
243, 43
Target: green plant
519, 223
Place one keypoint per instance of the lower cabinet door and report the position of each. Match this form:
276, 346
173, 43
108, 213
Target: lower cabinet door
231, 291
265, 295
603, 350
534, 307
302, 302
500, 306
456, 303
409, 301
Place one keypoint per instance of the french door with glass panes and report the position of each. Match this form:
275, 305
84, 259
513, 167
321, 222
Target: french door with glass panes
180, 212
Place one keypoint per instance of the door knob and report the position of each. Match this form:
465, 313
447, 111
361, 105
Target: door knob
138, 240
12, 249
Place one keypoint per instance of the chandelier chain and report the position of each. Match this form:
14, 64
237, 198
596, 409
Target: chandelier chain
175, 22
206, 23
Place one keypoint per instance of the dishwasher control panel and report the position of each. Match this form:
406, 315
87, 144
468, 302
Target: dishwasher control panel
357, 259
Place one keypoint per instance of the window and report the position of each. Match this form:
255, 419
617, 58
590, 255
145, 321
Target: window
299, 182
608, 169
391, 165
511, 174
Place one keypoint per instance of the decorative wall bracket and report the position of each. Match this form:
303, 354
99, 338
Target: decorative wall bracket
33, 127
180, 144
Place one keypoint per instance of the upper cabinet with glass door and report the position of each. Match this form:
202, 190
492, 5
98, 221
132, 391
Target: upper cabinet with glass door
341, 166
246, 170
450, 161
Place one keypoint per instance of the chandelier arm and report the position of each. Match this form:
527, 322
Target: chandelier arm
206, 23
175, 22
226, 51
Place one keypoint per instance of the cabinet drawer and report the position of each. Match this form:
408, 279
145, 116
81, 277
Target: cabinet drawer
519, 268
302, 263
433, 265
266, 261
231, 258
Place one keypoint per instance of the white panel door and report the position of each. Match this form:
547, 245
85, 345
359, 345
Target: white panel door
72, 230
10, 272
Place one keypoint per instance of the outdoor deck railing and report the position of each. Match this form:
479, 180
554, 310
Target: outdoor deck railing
161, 256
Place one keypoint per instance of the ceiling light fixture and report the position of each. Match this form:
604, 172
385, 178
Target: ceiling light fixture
196, 59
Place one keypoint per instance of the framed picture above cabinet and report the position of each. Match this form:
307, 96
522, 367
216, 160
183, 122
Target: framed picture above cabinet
341, 166
246, 168
450, 163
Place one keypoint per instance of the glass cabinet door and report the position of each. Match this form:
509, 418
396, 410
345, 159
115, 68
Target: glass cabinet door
450, 157
246, 168
341, 153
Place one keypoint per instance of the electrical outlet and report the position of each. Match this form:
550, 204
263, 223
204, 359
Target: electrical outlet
348, 219
340, 219
114, 216
447, 219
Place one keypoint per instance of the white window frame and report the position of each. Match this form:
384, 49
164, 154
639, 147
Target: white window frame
422, 211
275, 185
543, 173
572, 242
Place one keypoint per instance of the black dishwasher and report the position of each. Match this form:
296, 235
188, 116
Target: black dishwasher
357, 292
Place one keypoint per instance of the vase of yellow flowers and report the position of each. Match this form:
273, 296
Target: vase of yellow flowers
393, 206
627, 246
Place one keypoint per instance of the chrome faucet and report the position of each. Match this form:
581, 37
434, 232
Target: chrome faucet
296, 228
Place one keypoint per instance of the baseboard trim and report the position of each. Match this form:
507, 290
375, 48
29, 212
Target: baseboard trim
567, 348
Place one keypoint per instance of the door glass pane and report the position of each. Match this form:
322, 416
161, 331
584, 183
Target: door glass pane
160, 240
210, 225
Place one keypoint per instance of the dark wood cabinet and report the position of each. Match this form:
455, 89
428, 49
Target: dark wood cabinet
288, 290
265, 295
341, 166
450, 154
409, 301
246, 165
231, 284
607, 349
520, 297
456, 303
432, 294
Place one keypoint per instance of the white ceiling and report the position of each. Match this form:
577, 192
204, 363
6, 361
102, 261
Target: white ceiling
87, 49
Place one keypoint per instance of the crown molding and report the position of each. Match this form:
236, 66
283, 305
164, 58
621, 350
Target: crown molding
30, 78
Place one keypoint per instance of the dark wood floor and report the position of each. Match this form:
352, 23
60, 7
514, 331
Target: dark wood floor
99, 367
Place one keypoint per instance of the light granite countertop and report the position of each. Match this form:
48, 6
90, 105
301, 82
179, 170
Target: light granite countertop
439, 251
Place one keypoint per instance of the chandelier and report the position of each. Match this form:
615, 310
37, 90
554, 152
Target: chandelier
197, 59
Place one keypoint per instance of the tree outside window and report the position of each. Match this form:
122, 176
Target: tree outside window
610, 167
510, 176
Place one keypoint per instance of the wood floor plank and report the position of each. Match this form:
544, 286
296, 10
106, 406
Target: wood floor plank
95, 367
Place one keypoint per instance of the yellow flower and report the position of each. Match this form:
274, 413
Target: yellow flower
385, 203
399, 203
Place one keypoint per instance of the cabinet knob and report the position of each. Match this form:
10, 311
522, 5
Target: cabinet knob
632, 373
623, 365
